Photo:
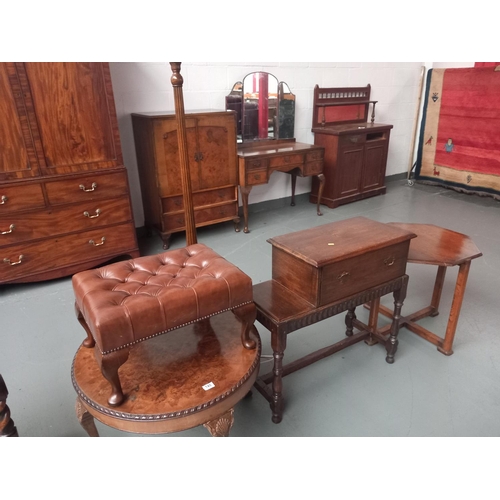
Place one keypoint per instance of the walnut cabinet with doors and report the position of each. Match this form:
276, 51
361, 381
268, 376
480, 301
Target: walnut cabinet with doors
211, 138
64, 194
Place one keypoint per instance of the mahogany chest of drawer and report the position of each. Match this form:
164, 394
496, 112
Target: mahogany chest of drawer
336, 260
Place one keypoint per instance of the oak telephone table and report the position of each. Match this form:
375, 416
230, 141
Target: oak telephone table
193, 376
323, 271
444, 248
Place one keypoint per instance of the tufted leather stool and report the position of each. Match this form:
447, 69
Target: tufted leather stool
128, 302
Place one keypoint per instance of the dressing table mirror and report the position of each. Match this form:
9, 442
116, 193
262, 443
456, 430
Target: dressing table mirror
265, 116
265, 108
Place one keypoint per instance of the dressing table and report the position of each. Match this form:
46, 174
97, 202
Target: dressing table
265, 110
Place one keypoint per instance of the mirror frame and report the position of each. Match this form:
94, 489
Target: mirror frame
255, 117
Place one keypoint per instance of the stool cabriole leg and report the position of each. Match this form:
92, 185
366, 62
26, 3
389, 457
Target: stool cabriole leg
247, 314
89, 341
109, 364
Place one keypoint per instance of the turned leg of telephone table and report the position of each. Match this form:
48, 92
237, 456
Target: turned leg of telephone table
391, 344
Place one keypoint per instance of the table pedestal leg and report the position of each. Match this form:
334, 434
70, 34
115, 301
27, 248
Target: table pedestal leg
438, 289
86, 419
456, 305
221, 426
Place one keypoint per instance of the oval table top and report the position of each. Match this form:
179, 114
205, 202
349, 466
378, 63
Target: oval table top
173, 382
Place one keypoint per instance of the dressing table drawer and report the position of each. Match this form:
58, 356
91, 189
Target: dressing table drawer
286, 160
256, 177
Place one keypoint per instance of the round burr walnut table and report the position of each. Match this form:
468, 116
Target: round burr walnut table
188, 377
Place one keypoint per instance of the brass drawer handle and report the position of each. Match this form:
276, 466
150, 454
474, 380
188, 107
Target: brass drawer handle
92, 188
389, 261
93, 243
354, 138
343, 275
3, 200
97, 213
7, 261
11, 228
255, 163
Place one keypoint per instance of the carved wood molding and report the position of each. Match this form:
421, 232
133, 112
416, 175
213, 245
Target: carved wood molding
166, 416
324, 312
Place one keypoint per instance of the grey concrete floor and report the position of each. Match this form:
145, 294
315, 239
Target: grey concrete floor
352, 393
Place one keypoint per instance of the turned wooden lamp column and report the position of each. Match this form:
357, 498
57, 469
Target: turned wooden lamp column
187, 192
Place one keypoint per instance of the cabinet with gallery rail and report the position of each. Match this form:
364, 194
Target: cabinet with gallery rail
64, 194
355, 149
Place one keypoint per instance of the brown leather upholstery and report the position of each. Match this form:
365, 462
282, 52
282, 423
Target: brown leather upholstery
130, 301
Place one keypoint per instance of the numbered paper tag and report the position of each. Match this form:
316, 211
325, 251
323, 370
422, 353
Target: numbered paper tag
209, 386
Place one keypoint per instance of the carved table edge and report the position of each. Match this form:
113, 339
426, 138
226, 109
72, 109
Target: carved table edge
164, 416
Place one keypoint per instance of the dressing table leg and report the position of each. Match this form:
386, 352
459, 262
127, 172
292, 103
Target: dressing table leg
245, 191
321, 179
294, 182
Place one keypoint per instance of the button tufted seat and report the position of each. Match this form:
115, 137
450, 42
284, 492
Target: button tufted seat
128, 302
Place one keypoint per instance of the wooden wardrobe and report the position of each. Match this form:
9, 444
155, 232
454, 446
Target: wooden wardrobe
64, 194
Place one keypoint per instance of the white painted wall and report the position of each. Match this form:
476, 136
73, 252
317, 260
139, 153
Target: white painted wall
145, 86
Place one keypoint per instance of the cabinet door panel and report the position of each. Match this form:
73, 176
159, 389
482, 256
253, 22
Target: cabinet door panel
17, 152
349, 171
217, 144
167, 145
71, 103
374, 171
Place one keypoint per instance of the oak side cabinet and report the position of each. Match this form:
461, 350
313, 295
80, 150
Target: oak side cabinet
355, 149
64, 193
211, 139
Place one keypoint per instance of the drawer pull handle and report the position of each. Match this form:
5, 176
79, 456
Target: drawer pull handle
3, 200
7, 261
97, 213
92, 188
389, 261
11, 228
255, 163
93, 243
342, 276
354, 139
